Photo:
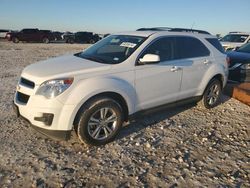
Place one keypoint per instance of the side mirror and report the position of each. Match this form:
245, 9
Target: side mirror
149, 58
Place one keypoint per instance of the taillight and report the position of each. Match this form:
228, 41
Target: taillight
228, 61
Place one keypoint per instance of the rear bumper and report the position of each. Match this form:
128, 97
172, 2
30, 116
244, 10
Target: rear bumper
55, 134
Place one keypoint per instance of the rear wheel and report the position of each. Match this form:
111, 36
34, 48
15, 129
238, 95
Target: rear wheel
212, 94
100, 121
45, 40
91, 41
71, 41
15, 40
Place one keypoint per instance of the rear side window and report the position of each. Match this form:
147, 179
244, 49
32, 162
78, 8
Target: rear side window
216, 44
189, 47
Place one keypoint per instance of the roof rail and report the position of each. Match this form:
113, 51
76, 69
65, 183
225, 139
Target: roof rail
173, 30
236, 32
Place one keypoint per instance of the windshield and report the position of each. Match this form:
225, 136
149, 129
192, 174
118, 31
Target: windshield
245, 48
113, 49
234, 38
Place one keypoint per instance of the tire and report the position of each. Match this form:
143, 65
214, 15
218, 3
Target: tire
91, 41
15, 40
100, 121
71, 41
45, 40
212, 94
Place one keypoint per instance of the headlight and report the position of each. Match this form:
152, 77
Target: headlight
245, 66
53, 88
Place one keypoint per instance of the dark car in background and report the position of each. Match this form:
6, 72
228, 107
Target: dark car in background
31, 35
239, 68
57, 35
82, 37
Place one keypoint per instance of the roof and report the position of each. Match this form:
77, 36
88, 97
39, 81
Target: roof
239, 32
161, 33
137, 33
146, 32
173, 30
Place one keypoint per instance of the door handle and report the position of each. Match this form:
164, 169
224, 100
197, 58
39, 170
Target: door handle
207, 62
175, 69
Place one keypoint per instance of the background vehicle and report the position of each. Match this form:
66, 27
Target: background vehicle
82, 37
3, 33
31, 35
239, 69
66, 35
57, 35
234, 39
96, 90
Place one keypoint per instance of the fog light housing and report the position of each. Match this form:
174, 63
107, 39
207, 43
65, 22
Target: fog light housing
47, 118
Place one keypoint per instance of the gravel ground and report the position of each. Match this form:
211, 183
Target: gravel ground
179, 147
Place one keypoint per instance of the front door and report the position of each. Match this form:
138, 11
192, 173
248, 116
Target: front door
158, 83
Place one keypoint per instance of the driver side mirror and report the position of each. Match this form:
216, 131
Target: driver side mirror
149, 58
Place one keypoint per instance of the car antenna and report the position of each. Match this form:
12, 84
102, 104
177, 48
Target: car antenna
192, 26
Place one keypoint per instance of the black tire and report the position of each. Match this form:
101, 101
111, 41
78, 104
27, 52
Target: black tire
92, 41
71, 41
15, 40
95, 130
45, 40
212, 94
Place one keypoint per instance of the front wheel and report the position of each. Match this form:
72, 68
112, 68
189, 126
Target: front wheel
15, 40
212, 94
100, 121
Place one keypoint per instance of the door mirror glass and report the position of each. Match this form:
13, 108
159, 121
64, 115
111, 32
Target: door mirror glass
149, 58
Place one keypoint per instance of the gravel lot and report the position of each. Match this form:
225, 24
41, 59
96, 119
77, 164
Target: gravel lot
179, 147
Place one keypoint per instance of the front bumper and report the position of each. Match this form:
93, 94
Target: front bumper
55, 134
49, 116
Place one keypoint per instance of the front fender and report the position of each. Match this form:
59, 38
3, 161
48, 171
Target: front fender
87, 88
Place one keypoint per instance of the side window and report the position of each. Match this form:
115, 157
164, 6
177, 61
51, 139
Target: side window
25, 31
216, 44
189, 47
162, 47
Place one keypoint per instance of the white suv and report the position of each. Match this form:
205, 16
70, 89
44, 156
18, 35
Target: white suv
234, 40
96, 90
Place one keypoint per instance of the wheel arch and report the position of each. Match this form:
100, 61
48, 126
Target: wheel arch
218, 77
113, 95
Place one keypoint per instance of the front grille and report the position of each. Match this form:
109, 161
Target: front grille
22, 97
27, 83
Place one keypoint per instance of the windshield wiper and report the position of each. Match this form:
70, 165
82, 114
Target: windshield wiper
92, 58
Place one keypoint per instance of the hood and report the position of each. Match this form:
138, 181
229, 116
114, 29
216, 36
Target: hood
59, 67
238, 57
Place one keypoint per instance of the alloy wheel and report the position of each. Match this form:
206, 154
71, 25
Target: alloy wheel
102, 123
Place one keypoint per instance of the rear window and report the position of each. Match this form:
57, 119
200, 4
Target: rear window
216, 44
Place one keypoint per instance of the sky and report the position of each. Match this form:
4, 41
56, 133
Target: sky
108, 16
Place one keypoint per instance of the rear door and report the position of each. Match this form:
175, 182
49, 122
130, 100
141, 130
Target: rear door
195, 59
